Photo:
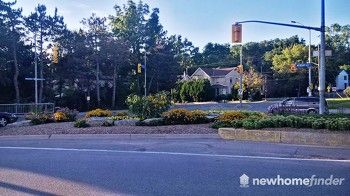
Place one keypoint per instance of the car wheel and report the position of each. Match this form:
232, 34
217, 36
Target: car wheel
3, 122
311, 111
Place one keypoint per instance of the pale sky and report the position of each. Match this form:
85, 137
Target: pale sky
203, 21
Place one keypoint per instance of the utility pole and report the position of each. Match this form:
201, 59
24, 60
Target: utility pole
36, 71
145, 73
241, 77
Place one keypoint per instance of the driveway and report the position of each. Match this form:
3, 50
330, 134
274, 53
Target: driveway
162, 165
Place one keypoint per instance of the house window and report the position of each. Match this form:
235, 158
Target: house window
231, 81
345, 85
345, 78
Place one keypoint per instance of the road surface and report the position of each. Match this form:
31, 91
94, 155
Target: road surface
162, 165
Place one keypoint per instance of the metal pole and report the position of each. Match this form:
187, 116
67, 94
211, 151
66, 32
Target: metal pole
36, 71
310, 79
145, 74
322, 70
241, 77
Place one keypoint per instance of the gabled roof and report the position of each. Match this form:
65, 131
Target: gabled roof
347, 72
217, 72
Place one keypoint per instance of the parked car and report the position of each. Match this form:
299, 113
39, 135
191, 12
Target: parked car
7, 118
309, 105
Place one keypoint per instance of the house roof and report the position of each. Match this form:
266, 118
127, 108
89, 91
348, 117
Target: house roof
217, 72
347, 72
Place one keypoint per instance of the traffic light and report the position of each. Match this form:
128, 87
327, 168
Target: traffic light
293, 68
237, 33
139, 68
55, 54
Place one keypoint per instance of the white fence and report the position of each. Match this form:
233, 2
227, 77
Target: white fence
21, 109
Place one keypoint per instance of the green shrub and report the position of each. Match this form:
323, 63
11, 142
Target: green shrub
249, 124
344, 124
221, 124
319, 124
68, 113
40, 118
151, 106
81, 124
182, 116
240, 115
237, 123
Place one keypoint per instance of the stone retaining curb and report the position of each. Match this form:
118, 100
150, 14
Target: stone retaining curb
288, 137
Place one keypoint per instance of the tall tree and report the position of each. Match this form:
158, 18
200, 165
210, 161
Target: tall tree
96, 31
12, 20
47, 29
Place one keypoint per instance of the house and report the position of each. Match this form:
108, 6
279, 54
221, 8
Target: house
222, 79
343, 80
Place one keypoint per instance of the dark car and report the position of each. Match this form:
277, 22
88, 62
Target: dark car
7, 118
308, 105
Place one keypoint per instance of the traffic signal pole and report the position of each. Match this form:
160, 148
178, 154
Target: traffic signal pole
322, 69
241, 77
322, 55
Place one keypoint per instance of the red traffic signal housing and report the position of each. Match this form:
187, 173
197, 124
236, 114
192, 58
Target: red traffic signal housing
237, 33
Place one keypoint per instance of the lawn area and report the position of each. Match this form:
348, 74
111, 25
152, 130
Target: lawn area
338, 103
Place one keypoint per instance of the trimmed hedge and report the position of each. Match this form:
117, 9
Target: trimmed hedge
313, 122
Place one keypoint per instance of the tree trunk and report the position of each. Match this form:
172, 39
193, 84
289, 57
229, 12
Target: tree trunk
114, 87
15, 76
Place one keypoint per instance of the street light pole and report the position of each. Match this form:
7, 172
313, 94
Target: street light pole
309, 60
322, 70
310, 66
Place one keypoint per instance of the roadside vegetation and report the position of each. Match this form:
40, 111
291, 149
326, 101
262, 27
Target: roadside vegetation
247, 120
338, 103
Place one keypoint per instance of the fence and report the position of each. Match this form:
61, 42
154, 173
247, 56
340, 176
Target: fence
21, 109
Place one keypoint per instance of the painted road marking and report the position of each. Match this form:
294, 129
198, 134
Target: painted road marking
174, 153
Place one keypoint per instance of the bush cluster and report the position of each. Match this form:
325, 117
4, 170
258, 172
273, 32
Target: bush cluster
151, 106
40, 118
182, 116
65, 115
313, 122
239, 115
98, 113
82, 123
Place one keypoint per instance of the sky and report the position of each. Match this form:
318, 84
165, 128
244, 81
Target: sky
204, 21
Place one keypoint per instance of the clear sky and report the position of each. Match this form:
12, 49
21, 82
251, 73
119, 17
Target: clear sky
203, 21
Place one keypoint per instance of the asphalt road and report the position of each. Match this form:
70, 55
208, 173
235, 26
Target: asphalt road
260, 106
162, 165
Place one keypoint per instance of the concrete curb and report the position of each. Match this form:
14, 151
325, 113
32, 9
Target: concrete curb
288, 137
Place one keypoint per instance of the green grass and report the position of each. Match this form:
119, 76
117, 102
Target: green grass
338, 103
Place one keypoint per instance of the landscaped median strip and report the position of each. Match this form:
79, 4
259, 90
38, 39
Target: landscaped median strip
289, 137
